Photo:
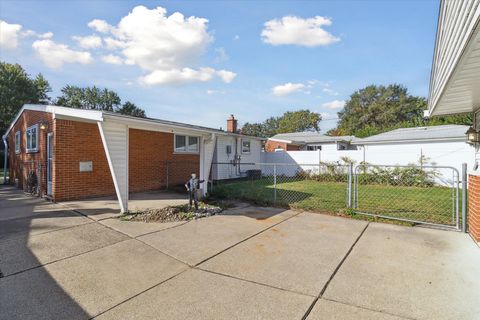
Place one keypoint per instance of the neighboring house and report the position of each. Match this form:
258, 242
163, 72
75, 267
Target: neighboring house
234, 153
455, 83
86, 153
441, 145
308, 141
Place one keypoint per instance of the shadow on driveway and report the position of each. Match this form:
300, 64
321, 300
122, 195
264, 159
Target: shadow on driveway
34, 294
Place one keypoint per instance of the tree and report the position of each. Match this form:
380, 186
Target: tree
18, 88
131, 109
291, 121
376, 109
93, 98
299, 121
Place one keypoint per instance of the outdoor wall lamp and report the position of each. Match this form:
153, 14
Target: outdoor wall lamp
473, 136
43, 125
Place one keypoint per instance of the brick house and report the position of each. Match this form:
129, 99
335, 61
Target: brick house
455, 84
87, 153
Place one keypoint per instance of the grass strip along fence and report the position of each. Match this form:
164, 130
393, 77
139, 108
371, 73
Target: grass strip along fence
409, 193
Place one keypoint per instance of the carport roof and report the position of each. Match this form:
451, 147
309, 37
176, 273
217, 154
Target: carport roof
95, 115
433, 133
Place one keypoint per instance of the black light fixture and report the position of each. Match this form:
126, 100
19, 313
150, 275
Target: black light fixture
43, 125
473, 136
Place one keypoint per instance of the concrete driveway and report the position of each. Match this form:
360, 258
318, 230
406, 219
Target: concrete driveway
252, 263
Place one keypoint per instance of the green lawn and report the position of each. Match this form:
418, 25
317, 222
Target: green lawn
432, 204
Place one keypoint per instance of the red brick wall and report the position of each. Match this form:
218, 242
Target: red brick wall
21, 164
149, 152
270, 146
75, 142
474, 206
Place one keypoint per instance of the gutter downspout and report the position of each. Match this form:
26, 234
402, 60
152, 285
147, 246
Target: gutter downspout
5, 160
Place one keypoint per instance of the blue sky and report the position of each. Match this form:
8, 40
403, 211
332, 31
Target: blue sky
183, 68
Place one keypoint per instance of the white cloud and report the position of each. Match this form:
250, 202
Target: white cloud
221, 55
113, 44
210, 92
287, 88
100, 25
112, 59
168, 48
9, 34
237, 37
54, 55
31, 33
88, 42
291, 30
226, 76
335, 104
178, 76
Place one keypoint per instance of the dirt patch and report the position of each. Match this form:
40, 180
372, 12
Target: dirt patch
172, 213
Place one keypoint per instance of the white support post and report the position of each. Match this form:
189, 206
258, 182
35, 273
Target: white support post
115, 144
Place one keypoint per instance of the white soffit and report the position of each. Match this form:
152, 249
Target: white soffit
455, 85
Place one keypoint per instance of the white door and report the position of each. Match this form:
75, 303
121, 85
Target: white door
49, 163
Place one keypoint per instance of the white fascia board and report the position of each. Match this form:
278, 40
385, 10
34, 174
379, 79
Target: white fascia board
458, 139
155, 125
281, 140
91, 115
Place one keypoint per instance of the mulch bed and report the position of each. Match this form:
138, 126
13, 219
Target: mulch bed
172, 213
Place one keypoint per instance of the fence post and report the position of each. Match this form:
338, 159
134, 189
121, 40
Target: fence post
354, 172
464, 197
350, 172
274, 183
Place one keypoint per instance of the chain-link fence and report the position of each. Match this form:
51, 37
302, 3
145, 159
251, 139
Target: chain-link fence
322, 187
417, 194
423, 194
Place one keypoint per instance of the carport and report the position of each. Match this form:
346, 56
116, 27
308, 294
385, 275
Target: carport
88, 153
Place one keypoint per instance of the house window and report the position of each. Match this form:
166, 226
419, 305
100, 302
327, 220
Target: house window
186, 144
17, 142
32, 138
245, 146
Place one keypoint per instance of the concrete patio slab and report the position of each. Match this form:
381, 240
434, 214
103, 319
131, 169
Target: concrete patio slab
200, 295
35, 295
107, 207
135, 228
200, 239
15, 204
297, 255
325, 309
40, 223
102, 278
23, 253
412, 272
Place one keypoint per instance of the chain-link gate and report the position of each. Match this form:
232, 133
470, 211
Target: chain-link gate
418, 194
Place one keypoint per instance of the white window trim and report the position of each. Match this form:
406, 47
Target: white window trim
32, 150
249, 146
18, 146
186, 144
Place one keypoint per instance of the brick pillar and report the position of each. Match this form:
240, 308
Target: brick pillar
474, 206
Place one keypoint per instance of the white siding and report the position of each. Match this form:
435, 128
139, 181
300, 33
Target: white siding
115, 142
456, 25
206, 152
224, 171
